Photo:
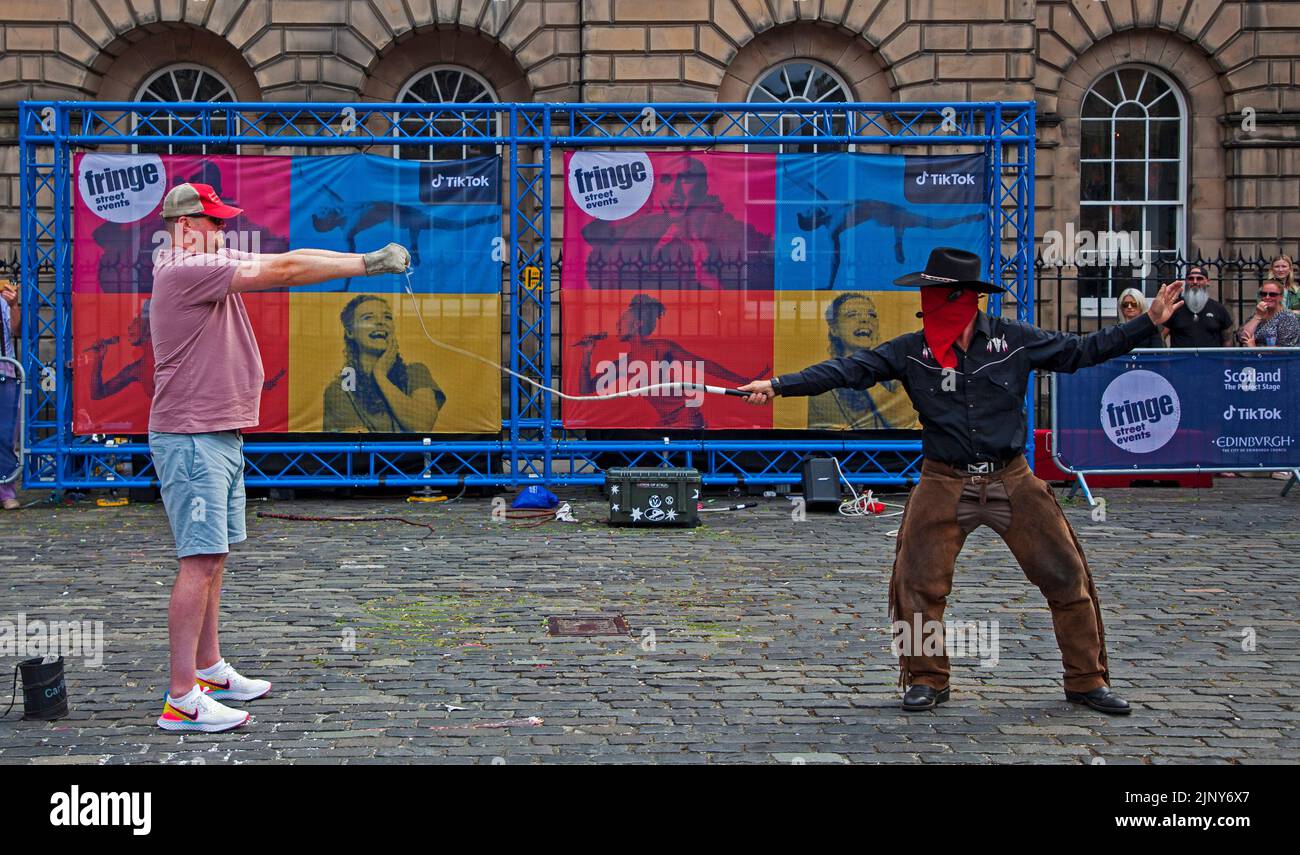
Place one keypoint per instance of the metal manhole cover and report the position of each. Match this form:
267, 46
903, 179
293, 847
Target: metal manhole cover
587, 625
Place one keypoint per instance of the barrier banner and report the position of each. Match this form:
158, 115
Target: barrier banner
725, 267
1213, 409
346, 356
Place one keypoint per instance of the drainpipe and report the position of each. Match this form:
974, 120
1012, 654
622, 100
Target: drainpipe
582, 52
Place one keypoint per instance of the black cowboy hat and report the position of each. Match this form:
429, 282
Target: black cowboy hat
950, 268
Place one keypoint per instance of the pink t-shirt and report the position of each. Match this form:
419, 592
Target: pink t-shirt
208, 373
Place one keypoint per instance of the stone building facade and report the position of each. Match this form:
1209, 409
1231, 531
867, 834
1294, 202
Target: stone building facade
1230, 127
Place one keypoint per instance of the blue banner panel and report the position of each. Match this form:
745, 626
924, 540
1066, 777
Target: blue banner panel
448, 214
1216, 410
859, 221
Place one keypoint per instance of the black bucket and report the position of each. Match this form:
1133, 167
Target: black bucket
45, 695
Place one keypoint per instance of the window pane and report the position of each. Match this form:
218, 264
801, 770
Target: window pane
1129, 110
1166, 106
1130, 181
1131, 81
798, 73
1126, 218
1162, 223
447, 85
1108, 89
186, 82
1165, 138
210, 89
1094, 184
1095, 108
774, 83
422, 90
1130, 139
1096, 139
826, 88
1163, 181
471, 90
1094, 218
1154, 88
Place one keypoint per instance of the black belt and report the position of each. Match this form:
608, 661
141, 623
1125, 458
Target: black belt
983, 467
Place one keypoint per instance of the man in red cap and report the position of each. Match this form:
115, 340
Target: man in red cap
966, 373
207, 388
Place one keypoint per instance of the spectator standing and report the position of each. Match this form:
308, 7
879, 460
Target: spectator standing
1200, 321
1283, 270
1272, 325
1133, 303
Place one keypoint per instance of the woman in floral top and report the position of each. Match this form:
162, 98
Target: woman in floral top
1272, 326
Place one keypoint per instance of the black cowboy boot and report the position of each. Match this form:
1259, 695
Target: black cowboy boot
920, 697
1102, 699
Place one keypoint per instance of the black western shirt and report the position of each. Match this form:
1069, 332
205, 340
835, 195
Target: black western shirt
976, 412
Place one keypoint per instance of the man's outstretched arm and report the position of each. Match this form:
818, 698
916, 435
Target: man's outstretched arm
859, 370
1067, 353
296, 267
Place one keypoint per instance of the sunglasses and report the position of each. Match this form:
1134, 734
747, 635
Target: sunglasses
1270, 293
1128, 304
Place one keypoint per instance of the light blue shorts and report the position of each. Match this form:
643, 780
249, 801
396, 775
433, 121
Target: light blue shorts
202, 478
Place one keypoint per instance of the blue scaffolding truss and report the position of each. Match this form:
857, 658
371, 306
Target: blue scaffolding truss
532, 443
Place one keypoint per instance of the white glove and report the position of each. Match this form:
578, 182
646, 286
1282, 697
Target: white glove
391, 259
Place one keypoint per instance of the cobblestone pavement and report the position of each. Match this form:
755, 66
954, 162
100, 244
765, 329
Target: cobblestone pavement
754, 638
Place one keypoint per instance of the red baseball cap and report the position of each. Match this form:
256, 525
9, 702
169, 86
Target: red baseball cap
188, 199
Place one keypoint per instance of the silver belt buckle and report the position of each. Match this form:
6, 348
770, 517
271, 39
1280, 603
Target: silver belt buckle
984, 468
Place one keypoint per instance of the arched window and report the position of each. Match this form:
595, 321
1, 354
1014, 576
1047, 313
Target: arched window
800, 81
448, 84
186, 82
1133, 169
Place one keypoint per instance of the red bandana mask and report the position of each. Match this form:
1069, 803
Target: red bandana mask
945, 320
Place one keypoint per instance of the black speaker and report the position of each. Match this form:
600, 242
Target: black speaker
821, 483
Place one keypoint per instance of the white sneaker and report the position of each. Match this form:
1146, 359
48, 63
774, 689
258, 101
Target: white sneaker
226, 684
207, 716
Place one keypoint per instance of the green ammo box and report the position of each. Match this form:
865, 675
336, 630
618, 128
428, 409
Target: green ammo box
646, 496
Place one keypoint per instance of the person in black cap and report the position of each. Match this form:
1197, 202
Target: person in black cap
966, 373
1201, 321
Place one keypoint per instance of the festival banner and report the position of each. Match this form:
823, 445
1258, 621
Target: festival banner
790, 257
347, 356
1214, 409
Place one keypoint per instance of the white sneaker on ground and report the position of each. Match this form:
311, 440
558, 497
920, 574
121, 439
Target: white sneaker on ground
198, 712
224, 683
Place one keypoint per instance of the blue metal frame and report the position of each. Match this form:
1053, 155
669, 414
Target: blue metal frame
532, 444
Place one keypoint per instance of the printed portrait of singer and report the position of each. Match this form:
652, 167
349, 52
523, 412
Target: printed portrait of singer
685, 238
141, 368
378, 391
636, 328
853, 324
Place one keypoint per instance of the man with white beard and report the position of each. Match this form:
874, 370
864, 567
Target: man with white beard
1200, 321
